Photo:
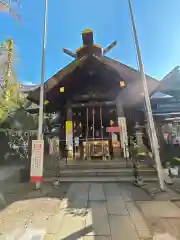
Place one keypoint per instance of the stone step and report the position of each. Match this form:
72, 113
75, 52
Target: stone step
102, 173
95, 165
98, 179
105, 172
98, 164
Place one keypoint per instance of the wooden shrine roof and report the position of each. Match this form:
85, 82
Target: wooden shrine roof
170, 84
90, 60
65, 77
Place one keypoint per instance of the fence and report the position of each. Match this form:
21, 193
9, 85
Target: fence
15, 144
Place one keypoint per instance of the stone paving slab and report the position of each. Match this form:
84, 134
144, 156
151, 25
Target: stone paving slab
80, 199
69, 220
14, 222
76, 199
96, 238
40, 220
90, 211
138, 220
49, 237
96, 192
177, 203
33, 211
131, 192
47, 205
111, 189
125, 192
168, 195
56, 223
33, 234
153, 190
164, 228
159, 209
97, 217
77, 189
27, 234
122, 228
115, 203
176, 226
71, 227
16, 207
58, 191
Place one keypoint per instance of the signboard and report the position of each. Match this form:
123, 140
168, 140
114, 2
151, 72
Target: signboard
54, 145
114, 137
69, 135
123, 136
76, 141
113, 129
69, 127
37, 160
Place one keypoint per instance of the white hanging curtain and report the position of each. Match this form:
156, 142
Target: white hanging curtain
93, 114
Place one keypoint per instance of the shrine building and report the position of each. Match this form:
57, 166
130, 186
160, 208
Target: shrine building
99, 102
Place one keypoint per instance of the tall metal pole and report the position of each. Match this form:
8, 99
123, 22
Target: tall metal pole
41, 101
147, 104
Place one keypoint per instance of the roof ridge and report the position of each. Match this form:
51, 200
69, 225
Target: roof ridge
130, 68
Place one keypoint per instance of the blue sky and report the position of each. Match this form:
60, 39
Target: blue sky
157, 22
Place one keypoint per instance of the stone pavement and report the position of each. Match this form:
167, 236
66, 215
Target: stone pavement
90, 211
8, 171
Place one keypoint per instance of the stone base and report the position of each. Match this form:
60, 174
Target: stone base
70, 155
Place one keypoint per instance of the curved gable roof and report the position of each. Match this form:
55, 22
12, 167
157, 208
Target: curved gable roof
125, 72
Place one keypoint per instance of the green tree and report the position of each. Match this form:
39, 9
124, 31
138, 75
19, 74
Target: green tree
12, 103
10, 98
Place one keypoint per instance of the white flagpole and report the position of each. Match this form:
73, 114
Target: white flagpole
41, 102
147, 104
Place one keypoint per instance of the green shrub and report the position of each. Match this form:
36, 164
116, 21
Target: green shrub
175, 161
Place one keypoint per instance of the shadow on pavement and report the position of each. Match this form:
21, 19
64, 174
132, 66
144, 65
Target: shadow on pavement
82, 211
79, 234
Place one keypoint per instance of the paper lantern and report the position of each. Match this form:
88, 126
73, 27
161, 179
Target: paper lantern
61, 89
122, 84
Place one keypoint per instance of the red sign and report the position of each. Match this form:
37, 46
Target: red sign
113, 129
37, 160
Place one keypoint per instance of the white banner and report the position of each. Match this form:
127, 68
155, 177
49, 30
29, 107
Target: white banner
69, 135
76, 141
53, 145
123, 135
37, 160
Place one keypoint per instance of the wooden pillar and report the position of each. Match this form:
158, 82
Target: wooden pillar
69, 131
62, 136
139, 134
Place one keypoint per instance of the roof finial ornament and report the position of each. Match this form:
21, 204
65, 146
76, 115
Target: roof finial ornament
108, 48
89, 47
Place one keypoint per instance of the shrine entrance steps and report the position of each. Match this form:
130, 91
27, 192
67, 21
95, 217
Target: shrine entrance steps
100, 171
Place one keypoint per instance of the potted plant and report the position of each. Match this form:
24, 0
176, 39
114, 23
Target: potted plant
175, 166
